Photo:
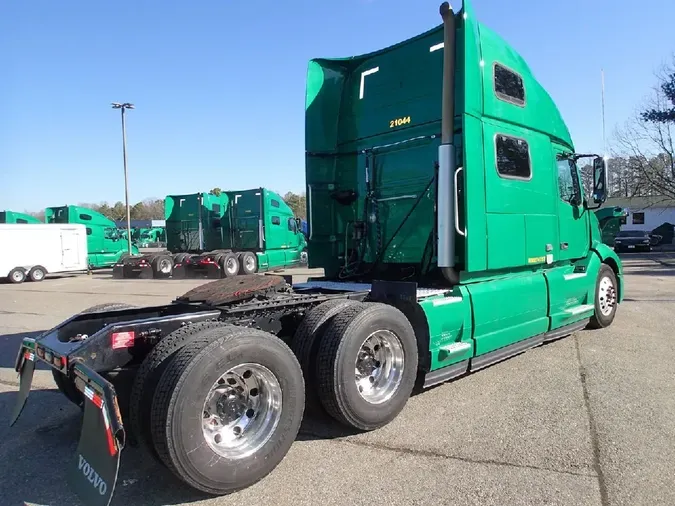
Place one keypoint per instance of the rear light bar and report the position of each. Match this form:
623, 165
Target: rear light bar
58, 361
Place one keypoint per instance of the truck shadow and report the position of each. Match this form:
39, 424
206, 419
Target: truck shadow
36, 452
9, 348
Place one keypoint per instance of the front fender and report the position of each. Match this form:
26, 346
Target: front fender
609, 257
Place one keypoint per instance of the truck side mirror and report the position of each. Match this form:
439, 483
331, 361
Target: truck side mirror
599, 180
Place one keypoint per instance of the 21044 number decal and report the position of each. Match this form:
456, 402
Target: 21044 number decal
399, 122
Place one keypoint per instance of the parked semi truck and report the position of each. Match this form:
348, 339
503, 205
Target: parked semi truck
446, 207
236, 232
104, 243
609, 221
14, 217
31, 251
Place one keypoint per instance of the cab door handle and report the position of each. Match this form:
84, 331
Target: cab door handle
564, 245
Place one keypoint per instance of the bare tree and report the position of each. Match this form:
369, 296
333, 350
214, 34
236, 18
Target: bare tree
646, 141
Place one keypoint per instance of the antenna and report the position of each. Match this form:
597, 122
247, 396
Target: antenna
604, 139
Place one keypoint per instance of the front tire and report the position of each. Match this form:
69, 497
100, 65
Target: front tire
367, 365
228, 409
606, 297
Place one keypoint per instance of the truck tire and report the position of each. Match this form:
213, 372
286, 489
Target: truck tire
147, 377
306, 341
379, 343
179, 258
248, 386
605, 298
248, 262
65, 385
229, 263
17, 275
162, 266
37, 273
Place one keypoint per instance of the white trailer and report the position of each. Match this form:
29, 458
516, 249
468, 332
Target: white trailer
31, 251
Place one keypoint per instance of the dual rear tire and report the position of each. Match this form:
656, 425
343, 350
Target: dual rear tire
218, 405
359, 361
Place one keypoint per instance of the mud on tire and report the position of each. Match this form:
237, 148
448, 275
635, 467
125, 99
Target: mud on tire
379, 342
183, 422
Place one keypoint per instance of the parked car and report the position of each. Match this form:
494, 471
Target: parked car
632, 240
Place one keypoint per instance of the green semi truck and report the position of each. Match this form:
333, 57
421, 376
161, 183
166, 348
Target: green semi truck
609, 221
14, 217
236, 232
104, 243
447, 210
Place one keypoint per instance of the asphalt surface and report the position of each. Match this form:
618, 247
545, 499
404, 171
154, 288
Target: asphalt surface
587, 420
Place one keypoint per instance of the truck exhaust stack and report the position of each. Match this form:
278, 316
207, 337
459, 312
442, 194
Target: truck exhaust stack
446, 153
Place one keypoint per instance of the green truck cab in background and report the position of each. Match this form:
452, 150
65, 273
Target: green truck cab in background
105, 245
233, 233
14, 217
254, 220
609, 221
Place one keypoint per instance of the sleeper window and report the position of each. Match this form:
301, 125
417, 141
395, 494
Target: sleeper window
509, 85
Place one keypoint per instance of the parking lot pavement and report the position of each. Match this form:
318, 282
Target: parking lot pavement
586, 420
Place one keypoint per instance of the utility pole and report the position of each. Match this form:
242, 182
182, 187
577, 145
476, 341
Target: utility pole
123, 107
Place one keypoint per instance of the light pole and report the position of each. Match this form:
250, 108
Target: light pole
124, 106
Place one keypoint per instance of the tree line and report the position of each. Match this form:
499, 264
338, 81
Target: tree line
153, 209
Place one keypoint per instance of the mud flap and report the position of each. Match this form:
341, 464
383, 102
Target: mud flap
93, 473
118, 271
25, 365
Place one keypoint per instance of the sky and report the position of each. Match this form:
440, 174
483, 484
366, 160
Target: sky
219, 85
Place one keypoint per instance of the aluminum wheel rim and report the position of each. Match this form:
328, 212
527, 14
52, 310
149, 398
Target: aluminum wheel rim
164, 266
249, 262
17, 276
379, 366
231, 265
303, 256
241, 411
38, 274
606, 296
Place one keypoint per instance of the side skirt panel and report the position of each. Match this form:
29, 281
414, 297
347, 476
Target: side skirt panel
475, 364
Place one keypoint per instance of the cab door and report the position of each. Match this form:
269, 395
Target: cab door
573, 219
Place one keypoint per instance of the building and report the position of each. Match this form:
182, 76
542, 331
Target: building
646, 213
141, 223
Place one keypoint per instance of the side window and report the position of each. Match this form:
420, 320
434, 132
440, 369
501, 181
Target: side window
638, 218
508, 85
110, 233
513, 157
88, 231
276, 220
292, 225
215, 208
275, 203
622, 220
565, 181
21, 220
85, 217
